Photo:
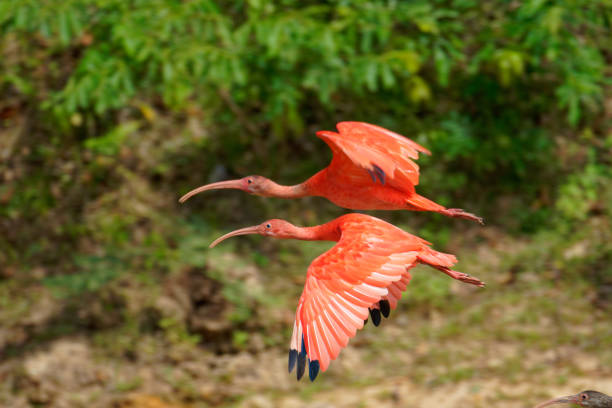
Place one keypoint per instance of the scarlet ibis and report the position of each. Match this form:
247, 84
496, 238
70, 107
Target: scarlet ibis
589, 398
372, 169
366, 270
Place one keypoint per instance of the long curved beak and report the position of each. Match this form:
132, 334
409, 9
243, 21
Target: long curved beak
242, 231
236, 184
571, 399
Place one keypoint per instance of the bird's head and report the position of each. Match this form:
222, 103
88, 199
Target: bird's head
251, 184
272, 228
258, 185
589, 399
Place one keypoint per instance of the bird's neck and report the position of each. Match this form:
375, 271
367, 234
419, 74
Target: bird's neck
296, 191
325, 232
314, 186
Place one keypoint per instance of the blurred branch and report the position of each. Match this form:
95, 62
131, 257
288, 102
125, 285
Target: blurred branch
240, 115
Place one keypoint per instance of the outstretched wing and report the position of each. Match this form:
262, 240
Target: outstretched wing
365, 266
385, 155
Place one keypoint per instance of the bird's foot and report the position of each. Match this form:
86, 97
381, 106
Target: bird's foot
459, 213
463, 277
470, 279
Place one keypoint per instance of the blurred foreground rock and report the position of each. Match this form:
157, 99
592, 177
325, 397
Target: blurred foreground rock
197, 301
145, 401
55, 376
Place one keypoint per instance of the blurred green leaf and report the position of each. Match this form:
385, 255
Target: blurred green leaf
94, 272
111, 142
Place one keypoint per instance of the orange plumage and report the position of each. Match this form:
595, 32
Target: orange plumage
365, 272
372, 169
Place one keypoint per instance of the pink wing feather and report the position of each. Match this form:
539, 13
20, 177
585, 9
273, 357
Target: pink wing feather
385, 154
369, 263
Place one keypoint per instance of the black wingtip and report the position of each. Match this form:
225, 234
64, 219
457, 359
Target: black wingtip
293, 354
375, 314
313, 369
365, 322
301, 365
301, 361
385, 307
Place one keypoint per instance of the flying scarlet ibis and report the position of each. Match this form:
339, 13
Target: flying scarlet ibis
366, 271
372, 169
589, 398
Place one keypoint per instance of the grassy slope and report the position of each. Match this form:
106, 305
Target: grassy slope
531, 333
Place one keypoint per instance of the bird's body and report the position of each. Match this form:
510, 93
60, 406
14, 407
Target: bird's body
363, 275
587, 399
364, 194
372, 169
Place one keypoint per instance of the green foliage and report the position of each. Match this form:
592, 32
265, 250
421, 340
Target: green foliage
240, 339
94, 272
110, 143
177, 333
584, 189
185, 52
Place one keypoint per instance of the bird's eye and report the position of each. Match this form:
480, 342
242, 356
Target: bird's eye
249, 181
268, 226
584, 397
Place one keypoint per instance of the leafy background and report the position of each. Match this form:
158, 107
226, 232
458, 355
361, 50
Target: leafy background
111, 109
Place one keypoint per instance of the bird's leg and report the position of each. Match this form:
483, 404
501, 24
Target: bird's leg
459, 213
419, 203
463, 277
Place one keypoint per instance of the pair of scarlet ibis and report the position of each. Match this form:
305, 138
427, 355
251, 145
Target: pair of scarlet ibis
365, 273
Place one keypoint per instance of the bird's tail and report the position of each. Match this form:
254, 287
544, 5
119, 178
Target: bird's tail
420, 203
436, 259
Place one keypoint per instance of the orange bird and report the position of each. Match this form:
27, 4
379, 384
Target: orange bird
372, 169
367, 270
